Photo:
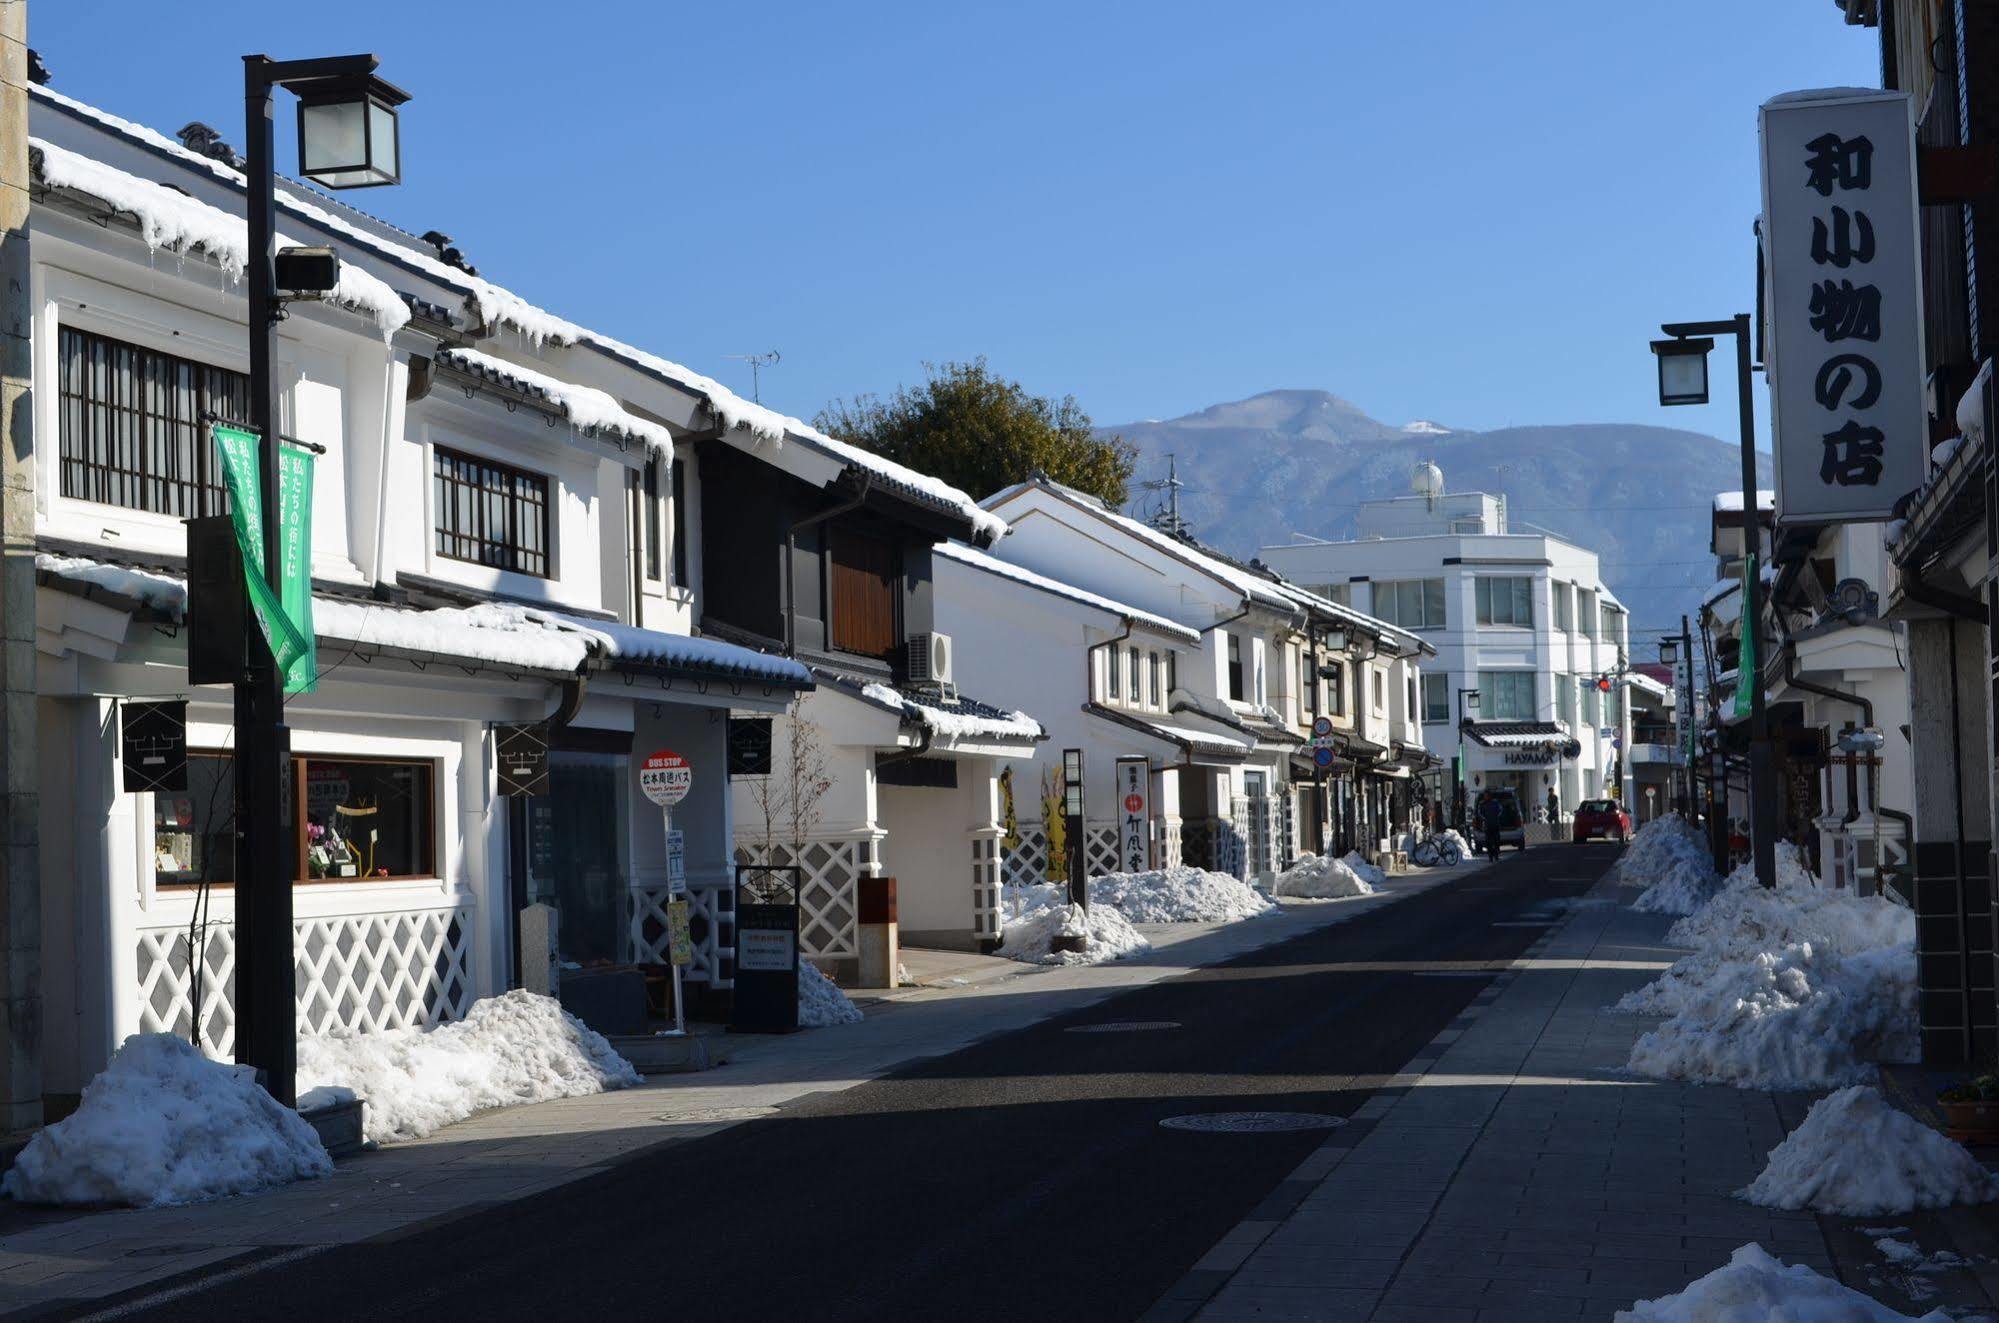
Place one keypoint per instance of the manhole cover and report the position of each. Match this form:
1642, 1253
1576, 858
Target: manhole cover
701, 1115
1252, 1123
1122, 1027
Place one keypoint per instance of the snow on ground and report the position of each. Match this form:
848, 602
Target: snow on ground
821, 1004
1670, 858
1048, 914
1797, 987
1362, 869
1908, 1255
1318, 878
514, 1048
1180, 895
1753, 1287
1856, 1156
165, 1125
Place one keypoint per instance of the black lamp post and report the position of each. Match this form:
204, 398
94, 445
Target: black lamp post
347, 139
1467, 713
1683, 380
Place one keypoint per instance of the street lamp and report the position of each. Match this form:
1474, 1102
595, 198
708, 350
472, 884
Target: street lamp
1669, 652
1683, 369
1683, 380
347, 139
1467, 713
347, 129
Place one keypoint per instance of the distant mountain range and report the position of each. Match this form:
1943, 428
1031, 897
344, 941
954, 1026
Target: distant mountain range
1289, 462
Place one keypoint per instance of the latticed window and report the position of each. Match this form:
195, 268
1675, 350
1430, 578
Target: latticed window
130, 425
491, 514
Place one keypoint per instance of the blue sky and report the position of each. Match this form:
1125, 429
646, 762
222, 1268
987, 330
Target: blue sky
1471, 212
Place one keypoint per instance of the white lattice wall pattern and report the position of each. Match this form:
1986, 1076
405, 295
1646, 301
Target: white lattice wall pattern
1027, 863
985, 888
828, 899
1100, 841
363, 973
711, 926
1170, 853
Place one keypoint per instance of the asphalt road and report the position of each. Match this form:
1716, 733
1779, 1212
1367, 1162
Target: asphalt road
1023, 1177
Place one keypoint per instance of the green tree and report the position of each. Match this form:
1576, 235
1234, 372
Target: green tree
981, 432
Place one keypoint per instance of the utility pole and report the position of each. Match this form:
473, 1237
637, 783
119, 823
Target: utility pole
1168, 520
20, 855
1687, 717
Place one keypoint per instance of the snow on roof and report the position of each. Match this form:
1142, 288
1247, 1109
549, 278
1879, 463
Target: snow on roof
1254, 585
585, 406
965, 555
174, 221
1007, 727
498, 307
166, 595
498, 633
1720, 589
1656, 688
1731, 502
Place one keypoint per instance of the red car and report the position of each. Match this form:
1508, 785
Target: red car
1600, 818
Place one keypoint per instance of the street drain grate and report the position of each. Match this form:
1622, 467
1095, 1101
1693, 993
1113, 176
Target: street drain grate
1252, 1123
703, 1115
1122, 1027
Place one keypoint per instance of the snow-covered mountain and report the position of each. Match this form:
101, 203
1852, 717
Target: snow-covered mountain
1289, 462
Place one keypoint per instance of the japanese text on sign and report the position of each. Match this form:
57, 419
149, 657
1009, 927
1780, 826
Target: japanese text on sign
1134, 781
1844, 356
665, 778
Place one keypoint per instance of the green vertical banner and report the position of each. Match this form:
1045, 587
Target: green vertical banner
1745, 657
285, 613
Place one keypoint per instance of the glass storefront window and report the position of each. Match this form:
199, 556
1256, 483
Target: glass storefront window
358, 818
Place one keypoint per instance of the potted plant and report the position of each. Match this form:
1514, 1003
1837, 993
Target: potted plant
1971, 1109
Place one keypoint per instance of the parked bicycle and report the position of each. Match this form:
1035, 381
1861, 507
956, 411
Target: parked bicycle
1435, 849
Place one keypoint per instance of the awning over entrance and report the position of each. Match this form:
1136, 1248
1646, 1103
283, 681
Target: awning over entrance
1212, 748
1521, 735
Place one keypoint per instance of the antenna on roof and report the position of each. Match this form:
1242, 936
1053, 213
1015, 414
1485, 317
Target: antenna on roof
1168, 520
757, 362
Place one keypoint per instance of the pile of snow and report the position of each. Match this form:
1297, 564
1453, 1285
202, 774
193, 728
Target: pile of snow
1180, 895
1673, 862
1031, 937
1796, 987
821, 1004
518, 1047
1856, 1156
1317, 878
1909, 1256
1755, 1288
1362, 869
165, 1125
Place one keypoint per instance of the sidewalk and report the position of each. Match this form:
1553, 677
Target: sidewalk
53, 1258
1515, 1172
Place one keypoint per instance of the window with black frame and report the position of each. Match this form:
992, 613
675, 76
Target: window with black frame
490, 513
129, 425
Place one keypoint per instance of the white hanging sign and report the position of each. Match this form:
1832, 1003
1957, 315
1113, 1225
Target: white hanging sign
1843, 287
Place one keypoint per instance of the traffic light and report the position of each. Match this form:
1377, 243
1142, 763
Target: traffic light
1603, 684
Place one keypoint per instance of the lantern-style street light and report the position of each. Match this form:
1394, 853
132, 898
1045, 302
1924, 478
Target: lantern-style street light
347, 139
1683, 369
347, 127
1683, 380
1669, 652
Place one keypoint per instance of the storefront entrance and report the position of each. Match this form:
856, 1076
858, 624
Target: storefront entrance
570, 852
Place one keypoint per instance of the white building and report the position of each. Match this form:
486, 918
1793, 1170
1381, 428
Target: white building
1226, 715
1521, 617
517, 522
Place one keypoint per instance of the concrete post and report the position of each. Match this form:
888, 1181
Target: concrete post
20, 810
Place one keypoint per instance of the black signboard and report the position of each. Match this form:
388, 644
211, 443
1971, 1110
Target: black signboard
749, 746
766, 1000
522, 754
152, 745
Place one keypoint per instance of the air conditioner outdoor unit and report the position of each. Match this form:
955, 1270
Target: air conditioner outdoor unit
930, 660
